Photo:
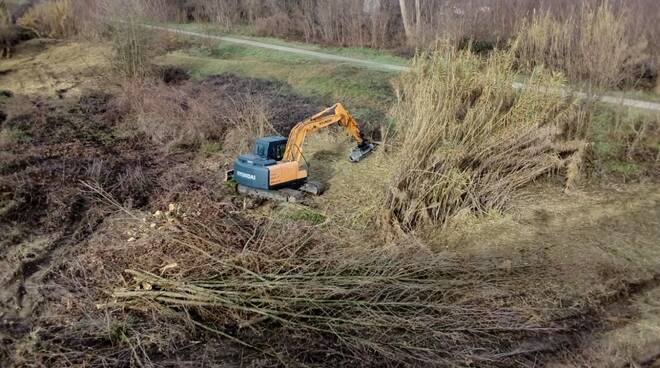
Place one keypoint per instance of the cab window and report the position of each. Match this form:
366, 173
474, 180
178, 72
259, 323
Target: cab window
279, 151
261, 150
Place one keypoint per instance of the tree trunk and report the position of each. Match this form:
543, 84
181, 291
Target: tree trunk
418, 20
406, 20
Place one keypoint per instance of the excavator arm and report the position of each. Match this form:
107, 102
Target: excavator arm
336, 114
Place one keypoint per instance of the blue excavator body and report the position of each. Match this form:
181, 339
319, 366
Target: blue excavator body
252, 169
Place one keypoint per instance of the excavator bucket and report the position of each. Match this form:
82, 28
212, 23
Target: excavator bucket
361, 150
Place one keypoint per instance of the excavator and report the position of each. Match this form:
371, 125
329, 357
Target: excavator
276, 168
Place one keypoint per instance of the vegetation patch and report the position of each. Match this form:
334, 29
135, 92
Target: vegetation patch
596, 46
470, 140
303, 213
625, 144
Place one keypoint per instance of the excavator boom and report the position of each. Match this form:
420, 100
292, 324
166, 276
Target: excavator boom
335, 114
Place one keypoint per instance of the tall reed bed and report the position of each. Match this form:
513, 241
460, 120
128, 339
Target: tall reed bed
467, 139
596, 45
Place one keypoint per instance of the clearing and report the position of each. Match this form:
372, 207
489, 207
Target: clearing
82, 198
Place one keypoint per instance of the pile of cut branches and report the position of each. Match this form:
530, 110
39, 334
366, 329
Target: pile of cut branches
293, 299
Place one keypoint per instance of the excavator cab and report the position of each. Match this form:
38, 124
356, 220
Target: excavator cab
270, 148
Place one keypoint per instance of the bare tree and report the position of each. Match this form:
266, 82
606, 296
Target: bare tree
418, 20
407, 28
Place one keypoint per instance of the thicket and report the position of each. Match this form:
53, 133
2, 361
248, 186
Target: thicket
603, 42
466, 139
596, 45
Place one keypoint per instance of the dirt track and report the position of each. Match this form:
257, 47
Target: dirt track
613, 100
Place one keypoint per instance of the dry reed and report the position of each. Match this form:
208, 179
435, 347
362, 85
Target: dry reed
596, 45
467, 139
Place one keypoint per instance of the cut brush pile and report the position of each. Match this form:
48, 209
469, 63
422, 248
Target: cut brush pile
277, 291
467, 139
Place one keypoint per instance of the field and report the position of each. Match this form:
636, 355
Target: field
492, 227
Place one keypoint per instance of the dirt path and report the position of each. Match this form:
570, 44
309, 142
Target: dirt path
612, 100
293, 50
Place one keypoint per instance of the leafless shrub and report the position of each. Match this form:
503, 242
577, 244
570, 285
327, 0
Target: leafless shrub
185, 114
594, 46
467, 139
277, 25
247, 120
169, 115
132, 42
8, 32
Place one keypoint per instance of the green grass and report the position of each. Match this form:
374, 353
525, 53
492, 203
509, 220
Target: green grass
368, 93
619, 149
302, 213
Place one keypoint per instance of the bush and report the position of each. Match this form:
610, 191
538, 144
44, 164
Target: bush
594, 46
467, 140
185, 115
52, 19
167, 115
247, 120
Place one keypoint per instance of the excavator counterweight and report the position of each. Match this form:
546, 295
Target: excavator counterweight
275, 169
